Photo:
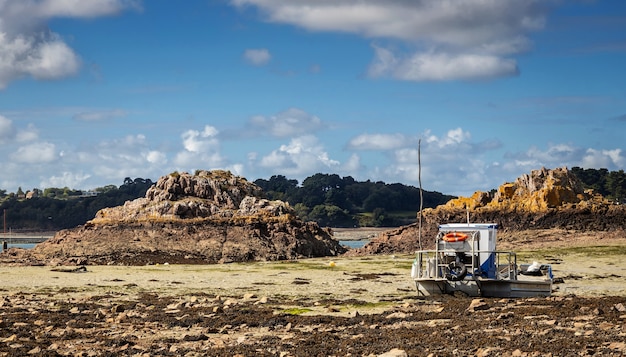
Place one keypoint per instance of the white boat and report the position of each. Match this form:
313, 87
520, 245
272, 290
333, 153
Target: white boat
465, 260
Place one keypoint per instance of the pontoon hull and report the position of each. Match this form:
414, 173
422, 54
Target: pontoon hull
487, 288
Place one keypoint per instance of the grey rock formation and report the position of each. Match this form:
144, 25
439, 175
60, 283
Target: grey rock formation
207, 217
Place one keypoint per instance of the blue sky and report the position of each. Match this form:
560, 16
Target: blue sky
95, 91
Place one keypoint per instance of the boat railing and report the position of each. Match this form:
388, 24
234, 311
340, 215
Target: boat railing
432, 264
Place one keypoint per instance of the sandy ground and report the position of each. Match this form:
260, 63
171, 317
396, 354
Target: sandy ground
365, 306
590, 271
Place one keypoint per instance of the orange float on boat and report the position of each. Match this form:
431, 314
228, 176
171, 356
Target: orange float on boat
455, 237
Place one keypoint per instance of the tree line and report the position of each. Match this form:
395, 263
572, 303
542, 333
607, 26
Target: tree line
610, 184
327, 199
331, 200
58, 208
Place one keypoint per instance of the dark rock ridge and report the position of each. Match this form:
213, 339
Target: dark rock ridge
544, 199
207, 217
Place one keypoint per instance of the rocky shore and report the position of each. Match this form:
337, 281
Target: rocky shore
354, 307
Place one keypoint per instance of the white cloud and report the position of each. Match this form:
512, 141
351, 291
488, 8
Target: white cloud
291, 122
28, 49
556, 155
196, 141
444, 158
352, 166
31, 133
457, 39
451, 163
257, 57
455, 22
378, 142
609, 159
303, 155
201, 149
453, 138
156, 157
50, 60
66, 179
112, 160
9, 133
35, 153
6, 129
42, 59
433, 66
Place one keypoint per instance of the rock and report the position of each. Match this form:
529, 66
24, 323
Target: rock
10, 339
543, 199
396, 352
207, 217
488, 351
477, 305
397, 315
505, 315
619, 346
35, 351
262, 300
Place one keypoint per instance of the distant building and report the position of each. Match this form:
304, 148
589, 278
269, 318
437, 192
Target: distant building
88, 194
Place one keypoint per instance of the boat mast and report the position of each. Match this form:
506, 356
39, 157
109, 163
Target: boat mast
419, 179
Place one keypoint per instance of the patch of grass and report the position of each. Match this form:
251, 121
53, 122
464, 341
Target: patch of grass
588, 251
296, 311
301, 265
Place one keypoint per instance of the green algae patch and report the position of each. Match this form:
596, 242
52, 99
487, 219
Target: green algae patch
296, 311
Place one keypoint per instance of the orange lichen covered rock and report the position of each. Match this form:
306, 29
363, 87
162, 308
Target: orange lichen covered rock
477, 200
538, 191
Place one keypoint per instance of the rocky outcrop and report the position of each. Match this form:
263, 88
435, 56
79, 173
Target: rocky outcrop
539, 191
543, 199
217, 196
207, 217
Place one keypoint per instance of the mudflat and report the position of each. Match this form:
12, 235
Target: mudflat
357, 306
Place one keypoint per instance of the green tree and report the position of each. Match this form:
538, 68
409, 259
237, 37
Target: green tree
278, 187
593, 179
302, 211
379, 217
331, 216
314, 188
616, 185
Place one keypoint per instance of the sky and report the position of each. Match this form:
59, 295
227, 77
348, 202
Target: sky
463, 94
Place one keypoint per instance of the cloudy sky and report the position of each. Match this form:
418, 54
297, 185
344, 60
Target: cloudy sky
93, 91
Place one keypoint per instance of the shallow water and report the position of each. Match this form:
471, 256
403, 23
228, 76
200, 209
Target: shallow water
25, 246
353, 244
